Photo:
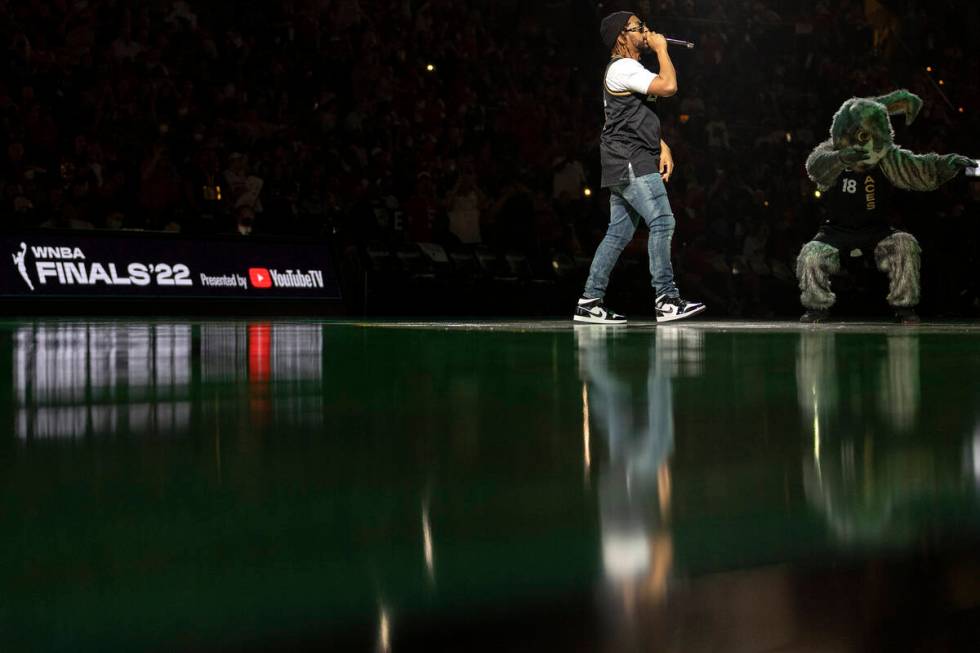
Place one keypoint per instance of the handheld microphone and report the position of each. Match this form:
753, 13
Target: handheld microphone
686, 44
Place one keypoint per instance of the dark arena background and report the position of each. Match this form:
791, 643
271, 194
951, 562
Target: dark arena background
287, 357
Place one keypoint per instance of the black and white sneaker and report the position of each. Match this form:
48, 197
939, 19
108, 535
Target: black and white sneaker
592, 311
675, 308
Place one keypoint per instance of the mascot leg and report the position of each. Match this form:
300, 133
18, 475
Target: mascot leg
898, 257
814, 266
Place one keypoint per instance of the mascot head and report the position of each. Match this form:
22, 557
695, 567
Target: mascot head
864, 123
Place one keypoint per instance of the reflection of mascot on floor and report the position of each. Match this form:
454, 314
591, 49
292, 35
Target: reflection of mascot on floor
857, 169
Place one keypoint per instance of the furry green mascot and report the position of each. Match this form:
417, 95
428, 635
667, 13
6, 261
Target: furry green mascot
857, 169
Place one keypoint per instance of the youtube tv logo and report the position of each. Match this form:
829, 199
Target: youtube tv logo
260, 277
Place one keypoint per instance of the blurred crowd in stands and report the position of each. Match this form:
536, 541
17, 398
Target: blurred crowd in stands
474, 125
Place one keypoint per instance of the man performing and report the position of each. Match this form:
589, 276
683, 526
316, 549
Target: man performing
635, 165
857, 167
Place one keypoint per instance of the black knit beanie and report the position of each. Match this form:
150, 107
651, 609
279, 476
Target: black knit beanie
612, 25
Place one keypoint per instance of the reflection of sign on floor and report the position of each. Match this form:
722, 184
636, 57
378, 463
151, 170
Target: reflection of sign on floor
69, 379
261, 351
77, 380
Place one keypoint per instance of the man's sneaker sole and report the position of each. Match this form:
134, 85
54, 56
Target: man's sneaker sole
596, 320
691, 313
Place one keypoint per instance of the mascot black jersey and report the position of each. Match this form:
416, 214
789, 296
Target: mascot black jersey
858, 207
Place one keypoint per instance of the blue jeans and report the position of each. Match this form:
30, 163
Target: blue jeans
643, 198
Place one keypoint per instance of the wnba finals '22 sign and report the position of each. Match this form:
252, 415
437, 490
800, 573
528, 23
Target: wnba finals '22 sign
68, 266
114, 264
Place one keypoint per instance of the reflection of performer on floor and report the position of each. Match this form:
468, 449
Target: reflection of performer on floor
637, 424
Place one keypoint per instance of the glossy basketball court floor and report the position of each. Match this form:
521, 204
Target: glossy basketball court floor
504, 486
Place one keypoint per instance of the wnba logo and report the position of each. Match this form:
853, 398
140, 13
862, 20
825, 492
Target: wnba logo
21, 265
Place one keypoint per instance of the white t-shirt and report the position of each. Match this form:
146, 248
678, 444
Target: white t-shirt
628, 75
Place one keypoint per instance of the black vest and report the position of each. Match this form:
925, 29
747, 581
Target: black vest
630, 136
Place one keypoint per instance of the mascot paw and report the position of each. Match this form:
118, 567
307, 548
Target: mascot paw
852, 155
960, 161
